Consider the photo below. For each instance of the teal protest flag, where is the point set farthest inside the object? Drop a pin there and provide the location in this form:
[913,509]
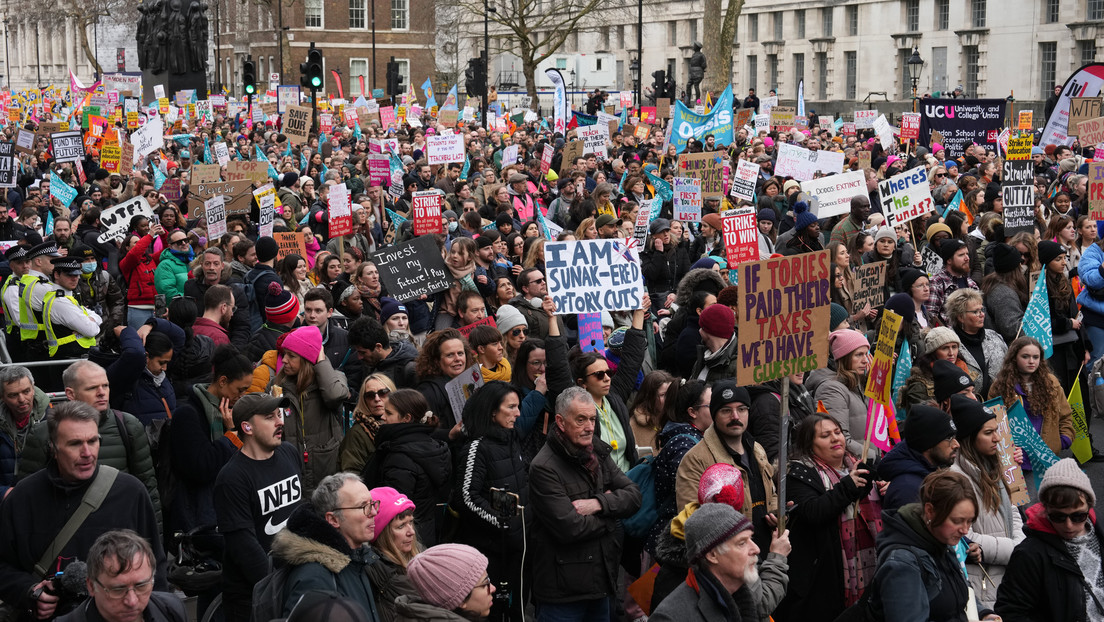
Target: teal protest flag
[901,374]
[396,219]
[261,157]
[1023,433]
[207,151]
[427,88]
[663,190]
[464,171]
[356,130]
[158,178]
[1036,319]
[302,162]
[954,205]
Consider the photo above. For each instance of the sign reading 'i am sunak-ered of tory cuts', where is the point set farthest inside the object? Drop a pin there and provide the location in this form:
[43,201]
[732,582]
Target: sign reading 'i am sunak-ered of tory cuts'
[784,316]
[591,276]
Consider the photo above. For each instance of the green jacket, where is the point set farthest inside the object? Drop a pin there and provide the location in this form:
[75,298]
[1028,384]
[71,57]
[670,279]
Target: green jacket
[170,276]
[130,456]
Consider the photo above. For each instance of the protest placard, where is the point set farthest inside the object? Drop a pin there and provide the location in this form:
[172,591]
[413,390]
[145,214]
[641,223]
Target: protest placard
[126,158]
[215,215]
[834,192]
[708,167]
[171,189]
[1026,118]
[510,155]
[148,139]
[782,117]
[930,261]
[783,316]
[7,165]
[1006,447]
[222,154]
[744,179]
[879,380]
[237,194]
[687,199]
[767,104]
[427,212]
[663,108]
[762,123]
[884,131]
[251,170]
[341,213]
[803,164]
[744,116]
[67,146]
[870,280]
[460,389]
[1027,438]
[571,151]
[379,169]
[906,196]
[24,140]
[288,242]
[297,122]
[1096,190]
[286,95]
[1019,147]
[595,138]
[205,174]
[910,125]
[591,335]
[741,235]
[467,329]
[115,221]
[1083,109]
[546,158]
[1091,132]
[413,269]
[445,149]
[1018,196]
[266,202]
[591,276]
[643,219]
[864,119]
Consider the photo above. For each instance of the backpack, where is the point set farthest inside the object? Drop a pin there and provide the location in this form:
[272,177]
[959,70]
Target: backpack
[251,296]
[270,593]
[643,475]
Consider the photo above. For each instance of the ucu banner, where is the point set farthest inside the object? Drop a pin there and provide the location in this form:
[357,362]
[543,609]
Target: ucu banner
[960,121]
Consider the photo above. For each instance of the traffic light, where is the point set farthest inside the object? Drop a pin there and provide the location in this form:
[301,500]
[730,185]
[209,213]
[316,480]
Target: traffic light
[249,76]
[475,77]
[395,84]
[660,83]
[312,70]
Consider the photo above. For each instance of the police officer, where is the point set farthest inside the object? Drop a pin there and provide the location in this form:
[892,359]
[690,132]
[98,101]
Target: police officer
[33,287]
[9,296]
[71,328]
[97,291]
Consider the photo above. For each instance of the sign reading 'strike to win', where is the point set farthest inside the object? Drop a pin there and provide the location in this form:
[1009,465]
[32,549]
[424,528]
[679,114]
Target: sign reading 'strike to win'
[590,276]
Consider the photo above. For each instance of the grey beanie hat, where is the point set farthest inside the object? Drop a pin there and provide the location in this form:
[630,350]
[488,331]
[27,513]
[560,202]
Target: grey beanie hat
[710,526]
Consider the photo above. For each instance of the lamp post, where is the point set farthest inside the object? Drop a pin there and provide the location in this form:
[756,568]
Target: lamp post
[7,57]
[634,72]
[915,68]
[38,59]
[373,75]
[639,50]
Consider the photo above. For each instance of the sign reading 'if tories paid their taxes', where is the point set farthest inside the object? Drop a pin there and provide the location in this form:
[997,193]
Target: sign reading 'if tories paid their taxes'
[590,276]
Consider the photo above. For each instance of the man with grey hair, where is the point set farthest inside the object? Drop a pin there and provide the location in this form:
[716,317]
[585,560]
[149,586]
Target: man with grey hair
[327,543]
[22,404]
[215,272]
[123,441]
[577,494]
[41,505]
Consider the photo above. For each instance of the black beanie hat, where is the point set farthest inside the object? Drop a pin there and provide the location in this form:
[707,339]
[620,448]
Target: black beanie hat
[267,249]
[949,247]
[1006,258]
[948,379]
[969,415]
[726,392]
[909,276]
[926,427]
[1049,251]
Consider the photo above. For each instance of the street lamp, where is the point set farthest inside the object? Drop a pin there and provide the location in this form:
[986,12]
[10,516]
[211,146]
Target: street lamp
[7,58]
[634,71]
[915,68]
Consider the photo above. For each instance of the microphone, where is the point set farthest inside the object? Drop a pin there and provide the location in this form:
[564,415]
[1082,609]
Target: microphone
[74,581]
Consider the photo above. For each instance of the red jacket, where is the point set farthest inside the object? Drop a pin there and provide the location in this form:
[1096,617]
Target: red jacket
[212,329]
[138,267]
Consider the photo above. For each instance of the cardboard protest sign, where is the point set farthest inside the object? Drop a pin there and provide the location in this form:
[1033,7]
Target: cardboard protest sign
[708,167]
[1018,194]
[783,316]
[741,235]
[297,122]
[744,179]
[571,151]
[205,174]
[340,211]
[171,189]
[445,149]
[67,146]
[1096,190]
[7,166]
[426,210]
[1083,109]
[591,276]
[237,195]
[879,381]
[595,138]
[687,199]
[413,269]
[288,242]
[24,141]
[266,202]
[115,221]
[214,210]
[782,117]
[1019,147]
[870,280]
[1006,446]
[834,192]
[251,170]
[906,196]
[1091,132]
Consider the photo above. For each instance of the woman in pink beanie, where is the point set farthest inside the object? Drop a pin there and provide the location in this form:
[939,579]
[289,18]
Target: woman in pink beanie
[317,391]
[396,542]
[452,584]
[842,393]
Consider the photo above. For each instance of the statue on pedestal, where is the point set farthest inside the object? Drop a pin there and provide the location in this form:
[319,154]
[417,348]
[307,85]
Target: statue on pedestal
[172,36]
[697,73]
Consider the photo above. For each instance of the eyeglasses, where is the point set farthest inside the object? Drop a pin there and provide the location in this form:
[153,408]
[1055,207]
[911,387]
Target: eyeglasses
[600,374]
[1061,517]
[381,394]
[485,584]
[517,332]
[729,411]
[369,509]
[700,406]
[977,312]
[536,363]
[119,593]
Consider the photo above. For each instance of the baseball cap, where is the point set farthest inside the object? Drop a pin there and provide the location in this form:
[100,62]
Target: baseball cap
[255,404]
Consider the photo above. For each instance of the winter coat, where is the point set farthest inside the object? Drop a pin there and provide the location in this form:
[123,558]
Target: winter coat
[389,582]
[994,348]
[238,328]
[577,557]
[1004,310]
[191,364]
[199,447]
[997,532]
[849,408]
[162,607]
[920,386]
[264,340]
[662,270]
[765,418]
[720,365]
[1043,581]
[262,275]
[12,439]
[1092,279]
[411,461]
[816,589]
[433,388]
[133,387]
[414,609]
[100,293]
[1057,417]
[675,440]
[315,422]
[705,600]
[696,279]
[139,267]
[399,365]
[320,559]
[905,470]
[171,275]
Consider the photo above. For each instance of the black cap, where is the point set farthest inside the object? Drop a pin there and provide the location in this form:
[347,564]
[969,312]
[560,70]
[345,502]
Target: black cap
[1049,251]
[969,415]
[949,247]
[926,427]
[67,265]
[17,252]
[48,249]
[1006,258]
[726,392]
[256,404]
[948,379]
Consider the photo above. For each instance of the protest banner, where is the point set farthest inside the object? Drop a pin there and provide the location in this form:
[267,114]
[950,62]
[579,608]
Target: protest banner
[67,146]
[783,317]
[379,169]
[426,208]
[445,149]
[1025,437]
[288,242]
[834,192]
[7,165]
[1018,194]
[205,174]
[297,122]
[341,213]
[782,117]
[222,154]
[256,172]
[1091,132]
[688,199]
[115,221]
[591,276]
[741,235]
[870,280]
[594,138]
[413,269]
[906,196]
[708,167]
[1083,109]
[1019,147]
[487,321]
[266,203]
[148,139]
[687,123]
[744,179]
[879,380]
[1096,190]
[864,119]
[215,215]
[961,122]
[910,125]
[803,164]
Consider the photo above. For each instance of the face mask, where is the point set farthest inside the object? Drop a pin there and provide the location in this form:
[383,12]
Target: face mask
[452,225]
[88,268]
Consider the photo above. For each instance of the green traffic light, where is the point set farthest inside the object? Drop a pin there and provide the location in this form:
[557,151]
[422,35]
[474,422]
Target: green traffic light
[250,89]
[316,82]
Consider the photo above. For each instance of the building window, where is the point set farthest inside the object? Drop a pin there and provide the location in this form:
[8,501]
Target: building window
[1048,66]
[822,75]
[777,25]
[942,14]
[1095,9]
[693,30]
[851,65]
[772,71]
[672,33]
[358,67]
[620,32]
[404,71]
[358,14]
[853,20]
[905,91]
[977,13]
[799,69]
[972,56]
[753,71]
[1050,12]
[753,26]
[400,15]
[912,15]
[312,13]
[826,21]
[1087,50]
[604,38]
[799,22]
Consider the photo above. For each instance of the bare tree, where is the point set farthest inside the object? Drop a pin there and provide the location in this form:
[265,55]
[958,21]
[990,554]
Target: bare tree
[717,43]
[85,14]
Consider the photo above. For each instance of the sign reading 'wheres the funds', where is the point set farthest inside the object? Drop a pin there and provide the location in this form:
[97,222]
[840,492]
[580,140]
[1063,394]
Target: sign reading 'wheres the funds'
[590,276]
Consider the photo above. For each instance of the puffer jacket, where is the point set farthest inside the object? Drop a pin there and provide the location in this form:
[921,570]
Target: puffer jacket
[411,461]
[12,440]
[315,423]
[389,582]
[129,453]
[997,532]
[191,364]
[171,275]
[1092,278]
[905,470]
[577,557]
[399,365]
[139,267]
[492,461]
[320,559]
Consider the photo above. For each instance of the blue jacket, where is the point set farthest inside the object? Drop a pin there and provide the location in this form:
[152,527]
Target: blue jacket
[1091,278]
[133,388]
[905,470]
[12,440]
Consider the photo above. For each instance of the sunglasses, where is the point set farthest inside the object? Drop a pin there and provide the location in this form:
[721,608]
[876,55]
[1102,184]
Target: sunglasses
[372,395]
[1061,517]
[180,242]
[599,375]
[517,332]
[536,281]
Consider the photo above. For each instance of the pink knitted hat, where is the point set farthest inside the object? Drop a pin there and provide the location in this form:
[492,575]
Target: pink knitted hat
[445,574]
[846,341]
[722,483]
[306,341]
[392,503]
